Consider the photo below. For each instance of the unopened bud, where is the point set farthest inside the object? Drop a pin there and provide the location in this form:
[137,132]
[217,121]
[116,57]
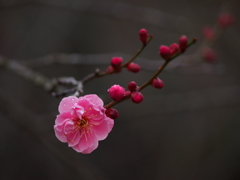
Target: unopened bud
[111,113]
[225,19]
[157,83]
[143,35]
[174,49]
[116,92]
[183,43]
[116,62]
[133,67]
[210,55]
[164,52]
[208,33]
[127,93]
[136,97]
[132,86]
[109,69]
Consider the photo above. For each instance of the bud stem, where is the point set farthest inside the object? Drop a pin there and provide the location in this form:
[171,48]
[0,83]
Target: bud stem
[160,69]
[138,52]
[101,74]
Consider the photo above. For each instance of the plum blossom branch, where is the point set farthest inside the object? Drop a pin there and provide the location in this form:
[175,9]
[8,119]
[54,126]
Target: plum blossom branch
[160,69]
[97,72]
[24,71]
[50,85]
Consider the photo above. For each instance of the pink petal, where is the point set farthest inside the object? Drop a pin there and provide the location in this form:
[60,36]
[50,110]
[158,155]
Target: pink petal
[94,99]
[60,134]
[86,144]
[67,103]
[61,118]
[73,138]
[91,111]
[110,123]
[94,115]
[68,127]
[91,148]
[77,110]
[101,131]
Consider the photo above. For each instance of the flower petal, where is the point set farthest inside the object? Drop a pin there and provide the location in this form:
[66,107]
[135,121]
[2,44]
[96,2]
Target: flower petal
[94,99]
[91,111]
[110,122]
[67,103]
[101,131]
[62,118]
[60,134]
[91,148]
[94,115]
[73,138]
[86,144]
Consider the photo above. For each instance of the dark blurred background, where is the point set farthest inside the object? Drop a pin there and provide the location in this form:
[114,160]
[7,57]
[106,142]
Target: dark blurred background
[188,130]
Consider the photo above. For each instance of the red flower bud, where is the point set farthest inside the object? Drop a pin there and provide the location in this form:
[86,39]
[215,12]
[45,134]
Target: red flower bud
[132,86]
[143,35]
[126,93]
[210,55]
[208,33]
[116,62]
[164,52]
[111,113]
[136,97]
[174,49]
[157,83]
[225,19]
[183,43]
[116,92]
[109,69]
[133,67]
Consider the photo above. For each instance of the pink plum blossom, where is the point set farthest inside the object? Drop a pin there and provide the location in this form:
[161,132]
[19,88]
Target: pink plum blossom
[82,122]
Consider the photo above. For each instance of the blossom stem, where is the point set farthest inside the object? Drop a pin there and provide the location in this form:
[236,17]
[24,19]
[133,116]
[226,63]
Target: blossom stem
[113,103]
[97,73]
[138,52]
[160,69]
[29,74]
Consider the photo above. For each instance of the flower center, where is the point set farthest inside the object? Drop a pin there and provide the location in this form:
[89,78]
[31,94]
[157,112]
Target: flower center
[83,123]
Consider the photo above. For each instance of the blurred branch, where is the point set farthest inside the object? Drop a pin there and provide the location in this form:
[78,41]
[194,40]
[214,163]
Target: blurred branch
[115,9]
[183,64]
[24,71]
[53,86]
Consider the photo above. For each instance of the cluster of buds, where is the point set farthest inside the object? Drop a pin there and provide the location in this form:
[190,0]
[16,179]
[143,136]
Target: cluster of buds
[119,94]
[211,33]
[168,52]
[84,121]
[117,65]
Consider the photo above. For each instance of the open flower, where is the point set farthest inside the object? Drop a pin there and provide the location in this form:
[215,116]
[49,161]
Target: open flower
[82,122]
